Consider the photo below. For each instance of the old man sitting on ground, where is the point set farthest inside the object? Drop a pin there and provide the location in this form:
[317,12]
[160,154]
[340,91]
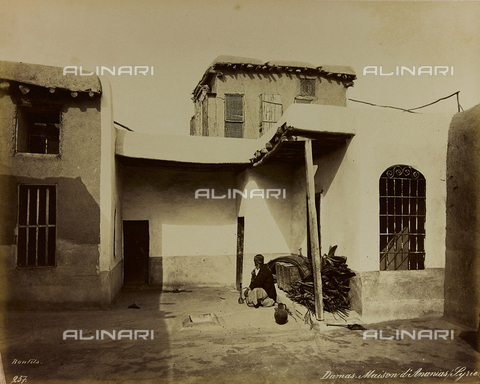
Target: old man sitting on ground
[262,289]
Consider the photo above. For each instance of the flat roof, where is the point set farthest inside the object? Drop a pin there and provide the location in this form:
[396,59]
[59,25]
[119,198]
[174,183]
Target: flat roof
[48,77]
[310,120]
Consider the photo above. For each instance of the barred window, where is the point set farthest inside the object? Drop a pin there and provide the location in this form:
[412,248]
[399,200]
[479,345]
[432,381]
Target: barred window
[402,218]
[234,116]
[36,225]
[307,87]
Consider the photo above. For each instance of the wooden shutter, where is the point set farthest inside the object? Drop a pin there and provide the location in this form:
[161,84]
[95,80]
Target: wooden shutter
[205,117]
[272,110]
[233,115]
[234,108]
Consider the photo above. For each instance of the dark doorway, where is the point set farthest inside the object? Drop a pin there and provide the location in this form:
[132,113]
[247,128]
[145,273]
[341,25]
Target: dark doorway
[240,243]
[318,197]
[136,243]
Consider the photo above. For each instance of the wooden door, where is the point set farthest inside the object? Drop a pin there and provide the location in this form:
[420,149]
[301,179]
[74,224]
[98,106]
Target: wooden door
[240,244]
[136,244]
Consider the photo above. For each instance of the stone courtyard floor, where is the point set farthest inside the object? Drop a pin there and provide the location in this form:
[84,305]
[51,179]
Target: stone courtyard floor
[202,335]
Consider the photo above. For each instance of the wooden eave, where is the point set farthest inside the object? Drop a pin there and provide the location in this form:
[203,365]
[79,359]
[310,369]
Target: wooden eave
[51,78]
[26,93]
[287,146]
[337,73]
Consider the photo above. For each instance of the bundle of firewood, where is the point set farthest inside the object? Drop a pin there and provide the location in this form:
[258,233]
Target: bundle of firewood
[335,286]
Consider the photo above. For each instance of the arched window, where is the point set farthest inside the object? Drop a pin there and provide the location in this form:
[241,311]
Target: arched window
[402,219]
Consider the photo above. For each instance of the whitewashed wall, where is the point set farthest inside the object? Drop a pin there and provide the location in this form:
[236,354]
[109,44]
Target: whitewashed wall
[350,183]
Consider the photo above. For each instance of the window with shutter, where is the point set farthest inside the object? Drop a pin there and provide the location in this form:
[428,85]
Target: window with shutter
[205,117]
[272,110]
[234,116]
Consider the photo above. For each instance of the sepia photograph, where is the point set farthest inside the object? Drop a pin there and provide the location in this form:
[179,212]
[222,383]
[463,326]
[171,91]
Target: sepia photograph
[239,191]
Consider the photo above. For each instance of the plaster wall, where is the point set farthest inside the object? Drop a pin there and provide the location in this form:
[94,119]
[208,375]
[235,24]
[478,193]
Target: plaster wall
[349,181]
[253,85]
[192,241]
[110,259]
[387,295]
[462,267]
[272,225]
[76,172]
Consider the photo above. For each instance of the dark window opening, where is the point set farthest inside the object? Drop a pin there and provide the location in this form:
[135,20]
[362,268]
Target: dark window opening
[38,130]
[234,116]
[402,219]
[36,225]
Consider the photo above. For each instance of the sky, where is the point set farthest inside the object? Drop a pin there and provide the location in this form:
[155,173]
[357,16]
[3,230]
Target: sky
[180,38]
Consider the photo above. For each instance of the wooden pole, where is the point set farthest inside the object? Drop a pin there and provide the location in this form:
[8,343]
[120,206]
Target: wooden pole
[313,228]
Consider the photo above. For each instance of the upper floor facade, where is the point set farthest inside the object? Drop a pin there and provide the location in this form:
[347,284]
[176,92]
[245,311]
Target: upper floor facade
[244,98]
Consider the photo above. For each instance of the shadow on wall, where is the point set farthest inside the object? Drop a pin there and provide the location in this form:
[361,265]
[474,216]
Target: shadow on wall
[290,214]
[328,167]
[74,279]
[281,176]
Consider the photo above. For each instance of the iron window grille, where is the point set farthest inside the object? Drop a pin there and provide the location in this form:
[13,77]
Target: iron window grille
[234,116]
[402,218]
[307,87]
[36,225]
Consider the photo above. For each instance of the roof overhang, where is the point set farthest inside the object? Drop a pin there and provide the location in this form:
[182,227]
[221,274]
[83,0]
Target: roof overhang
[328,127]
[184,152]
[340,73]
[289,145]
[182,165]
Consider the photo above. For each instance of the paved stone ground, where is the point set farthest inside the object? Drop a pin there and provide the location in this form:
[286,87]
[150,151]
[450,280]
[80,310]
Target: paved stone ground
[246,346]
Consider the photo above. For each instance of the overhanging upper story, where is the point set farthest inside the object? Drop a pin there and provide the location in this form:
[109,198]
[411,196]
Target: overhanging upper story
[244,98]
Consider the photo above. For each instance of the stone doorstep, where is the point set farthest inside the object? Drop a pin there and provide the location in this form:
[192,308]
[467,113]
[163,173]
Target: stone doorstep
[209,319]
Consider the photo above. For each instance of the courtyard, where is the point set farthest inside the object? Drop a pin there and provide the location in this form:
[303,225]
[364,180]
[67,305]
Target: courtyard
[203,335]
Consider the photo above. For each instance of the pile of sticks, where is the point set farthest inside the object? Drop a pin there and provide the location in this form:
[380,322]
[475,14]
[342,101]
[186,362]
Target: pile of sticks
[335,286]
